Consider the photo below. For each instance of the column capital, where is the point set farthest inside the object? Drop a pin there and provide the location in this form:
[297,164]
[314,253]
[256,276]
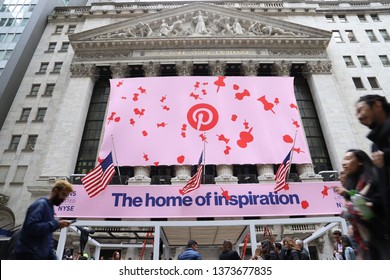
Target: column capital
[282,68]
[306,173]
[250,68]
[84,70]
[217,68]
[317,67]
[119,70]
[184,68]
[151,69]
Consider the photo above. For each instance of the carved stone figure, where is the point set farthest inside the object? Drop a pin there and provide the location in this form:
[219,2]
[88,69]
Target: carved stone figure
[164,29]
[254,28]
[144,30]
[176,29]
[237,28]
[200,23]
[223,26]
[270,30]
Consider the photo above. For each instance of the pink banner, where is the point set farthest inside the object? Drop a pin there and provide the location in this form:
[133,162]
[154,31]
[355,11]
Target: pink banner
[167,120]
[207,201]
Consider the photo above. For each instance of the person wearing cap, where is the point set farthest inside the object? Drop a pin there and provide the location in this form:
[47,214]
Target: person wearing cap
[191,253]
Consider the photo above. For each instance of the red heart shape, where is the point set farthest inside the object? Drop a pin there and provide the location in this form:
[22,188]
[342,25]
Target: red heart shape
[180,159]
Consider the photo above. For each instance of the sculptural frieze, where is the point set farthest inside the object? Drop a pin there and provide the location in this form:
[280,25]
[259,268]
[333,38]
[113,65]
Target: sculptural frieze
[198,24]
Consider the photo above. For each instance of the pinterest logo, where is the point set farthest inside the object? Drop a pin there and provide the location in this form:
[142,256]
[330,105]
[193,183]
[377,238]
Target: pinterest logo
[202,116]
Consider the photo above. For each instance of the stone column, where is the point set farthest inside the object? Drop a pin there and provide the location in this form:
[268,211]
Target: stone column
[217,68]
[184,68]
[281,68]
[266,172]
[250,68]
[67,114]
[225,174]
[306,173]
[183,174]
[141,176]
[330,108]
[151,69]
[119,70]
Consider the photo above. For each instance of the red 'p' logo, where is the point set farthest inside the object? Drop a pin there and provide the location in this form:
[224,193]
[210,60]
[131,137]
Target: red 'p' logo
[202,116]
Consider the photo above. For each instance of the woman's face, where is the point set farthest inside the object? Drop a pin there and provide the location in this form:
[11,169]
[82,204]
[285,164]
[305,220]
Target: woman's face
[350,164]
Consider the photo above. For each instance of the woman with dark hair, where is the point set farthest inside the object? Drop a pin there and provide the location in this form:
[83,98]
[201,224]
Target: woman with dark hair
[348,252]
[228,253]
[363,207]
[268,250]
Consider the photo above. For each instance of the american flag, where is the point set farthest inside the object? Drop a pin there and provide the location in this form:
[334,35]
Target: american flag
[195,180]
[281,174]
[97,179]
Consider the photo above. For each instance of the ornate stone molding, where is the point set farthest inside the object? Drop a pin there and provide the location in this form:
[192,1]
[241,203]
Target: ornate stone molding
[141,176]
[99,55]
[225,175]
[119,70]
[282,68]
[217,68]
[298,52]
[306,173]
[184,68]
[250,68]
[84,70]
[318,67]
[183,174]
[266,172]
[151,69]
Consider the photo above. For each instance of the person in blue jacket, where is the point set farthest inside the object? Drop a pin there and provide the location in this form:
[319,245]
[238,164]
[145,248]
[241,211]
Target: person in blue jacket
[35,241]
[191,252]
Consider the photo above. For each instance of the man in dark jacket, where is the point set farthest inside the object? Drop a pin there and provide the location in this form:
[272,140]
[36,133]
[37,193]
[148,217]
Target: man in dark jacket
[373,111]
[35,241]
[191,253]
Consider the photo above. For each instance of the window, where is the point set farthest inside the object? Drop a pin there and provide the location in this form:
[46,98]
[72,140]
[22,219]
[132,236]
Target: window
[20,174]
[32,6]
[59,28]
[385,35]
[14,142]
[65,46]
[373,83]
[2,21]
[51,47]
[358,83]
[71,29]
[7,54]
[25,114]
[9,38]
[337,36]
[2,36]
[329,18]
[31,141]
[57,67]
[371,35]
[16,38]
[10,22]
[41,114]
[362,18]
[43,68]
[3,173]
[348,61]
[351,36]
[49,89]
[34,89]
[342,18]
[385,60]
[375,17]
[2,53]
[363,60]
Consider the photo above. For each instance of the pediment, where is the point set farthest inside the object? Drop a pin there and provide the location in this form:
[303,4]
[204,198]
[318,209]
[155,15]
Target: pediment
[199,21]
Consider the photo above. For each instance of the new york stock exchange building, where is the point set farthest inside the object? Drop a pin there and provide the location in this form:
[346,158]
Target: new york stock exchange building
[169,86]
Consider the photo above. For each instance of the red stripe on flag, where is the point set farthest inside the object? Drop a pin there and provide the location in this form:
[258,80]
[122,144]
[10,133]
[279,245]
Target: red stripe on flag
[194,182]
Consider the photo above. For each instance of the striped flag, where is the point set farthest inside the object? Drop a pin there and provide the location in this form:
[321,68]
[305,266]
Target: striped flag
[282,173]
[195,180]
[97,179]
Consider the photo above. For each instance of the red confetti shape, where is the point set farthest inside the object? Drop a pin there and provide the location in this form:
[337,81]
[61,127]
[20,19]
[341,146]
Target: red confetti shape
[195,96]
[144,133]
[119,84]
[267,105]
[132,122]
[225,194]
[276,101]
[156,163]
[163,98]
[220,83]
[139,112]
[227,150]
[287,138]
[304,204]
[142,90]
[293,106]
[180,159]
[325,191]
[146,157]
[234,118]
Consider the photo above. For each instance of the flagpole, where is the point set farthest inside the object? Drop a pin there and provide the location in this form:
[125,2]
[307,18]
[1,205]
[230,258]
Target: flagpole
[291,154]
[204,158]
[116,160]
